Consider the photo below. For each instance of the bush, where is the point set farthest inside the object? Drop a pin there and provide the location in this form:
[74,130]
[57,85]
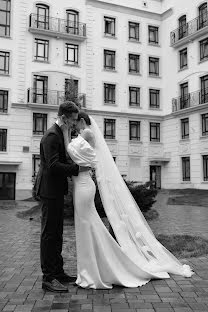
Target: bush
[143,194]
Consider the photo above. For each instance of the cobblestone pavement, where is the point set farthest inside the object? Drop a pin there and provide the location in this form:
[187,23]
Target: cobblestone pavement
[20,279]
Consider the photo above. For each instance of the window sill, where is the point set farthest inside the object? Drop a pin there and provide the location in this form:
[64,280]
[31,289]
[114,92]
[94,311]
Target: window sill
[134,41]
[72,65]
[5,37]
[111,140]
[185,182]
[3,153]
[109,36]
[154,142]
[135,106]
[37,135]
[109,70]
[4,113]
[184,140]
[39,61]
[204,60]
[135,142]
[182,69]
[202,137]
[155,76]
[134,74]
[154,44]
[5,75]
[110,104]
[155,108]
[204,182]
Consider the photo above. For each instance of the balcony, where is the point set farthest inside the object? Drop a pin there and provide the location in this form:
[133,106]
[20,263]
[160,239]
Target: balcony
[190,100]
[52,98]
[189,31]
[57,27]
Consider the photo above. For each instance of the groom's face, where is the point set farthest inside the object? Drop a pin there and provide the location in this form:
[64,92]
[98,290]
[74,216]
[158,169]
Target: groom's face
[71,120]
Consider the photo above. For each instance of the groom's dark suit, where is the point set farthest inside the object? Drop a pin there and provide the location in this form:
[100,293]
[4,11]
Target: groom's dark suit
[51,186]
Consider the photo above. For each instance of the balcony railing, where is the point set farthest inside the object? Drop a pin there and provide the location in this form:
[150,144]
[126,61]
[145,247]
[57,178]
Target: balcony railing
[52,97]
[56,25]
[190,100]
[189,28]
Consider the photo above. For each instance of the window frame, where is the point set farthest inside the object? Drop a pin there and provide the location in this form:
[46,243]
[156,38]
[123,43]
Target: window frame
[155,31]
[186,161]
[156,93]
[156,62]
[183,58]
[112,21]
[156,126]
[35,159]
[6,63]
[4,93]
[137,92]
[36,117]
[74,29]
[3,139]
[46,16]
[136,58]
[204,123]
[7,25]
[203,44]
[75,49]
[136,27]
[135,123]
[184,128]
[205,167]
[45,43]
[112,123]
[112,54]
[108,88]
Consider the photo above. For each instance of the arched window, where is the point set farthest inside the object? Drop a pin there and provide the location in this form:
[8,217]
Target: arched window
[202,21]
[182,27]
[42,16]
[72,18]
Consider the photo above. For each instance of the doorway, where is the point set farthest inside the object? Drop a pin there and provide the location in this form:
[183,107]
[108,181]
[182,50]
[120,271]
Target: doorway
[7,185]
[155,176]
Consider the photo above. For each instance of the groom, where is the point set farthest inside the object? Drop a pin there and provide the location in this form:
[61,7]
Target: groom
[51,186]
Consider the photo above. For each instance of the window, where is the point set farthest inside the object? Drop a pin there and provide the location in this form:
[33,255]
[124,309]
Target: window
[154,132]
[202,19]
[184,98]
[204,90]
[39,123]
[203,49]
[109,128]
[72,20]
[182,30]
[42,16]
[134,63]
[114,158]
[205,124]
[185,128]
[134,130]
[183,58]
[109,93]
[109,26]
[133,31]
[40,91]
[4,62]
[71,87]
[41,50]
[186,168]
[71,54]
[3,140]
[153,34]
[5,17]
[109,59]
[154,98]
[205,167]
[153,66]
[3,101]
[35,164]
[134,96]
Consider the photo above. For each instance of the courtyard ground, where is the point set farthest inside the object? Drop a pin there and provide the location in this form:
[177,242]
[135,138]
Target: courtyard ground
[20,274]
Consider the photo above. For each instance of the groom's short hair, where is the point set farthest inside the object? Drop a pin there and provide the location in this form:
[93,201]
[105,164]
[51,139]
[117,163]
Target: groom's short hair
[67,108]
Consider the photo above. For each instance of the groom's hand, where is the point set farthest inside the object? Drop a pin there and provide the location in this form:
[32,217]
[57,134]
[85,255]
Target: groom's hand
[82,169]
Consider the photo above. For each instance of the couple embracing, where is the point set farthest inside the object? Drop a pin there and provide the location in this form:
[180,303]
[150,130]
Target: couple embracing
[131,261]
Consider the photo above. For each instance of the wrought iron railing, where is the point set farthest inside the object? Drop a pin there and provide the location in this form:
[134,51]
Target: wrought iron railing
[190,100]
[53,97]
[57,25]
[189,28]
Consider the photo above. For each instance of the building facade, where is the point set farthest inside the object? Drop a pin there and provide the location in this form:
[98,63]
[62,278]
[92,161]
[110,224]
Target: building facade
[140,68]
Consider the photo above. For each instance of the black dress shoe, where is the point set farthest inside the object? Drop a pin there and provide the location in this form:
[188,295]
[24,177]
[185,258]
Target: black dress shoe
[54,286]
[65,278]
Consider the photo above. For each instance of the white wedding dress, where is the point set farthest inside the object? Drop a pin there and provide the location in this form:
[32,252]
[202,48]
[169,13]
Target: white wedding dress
[102,262]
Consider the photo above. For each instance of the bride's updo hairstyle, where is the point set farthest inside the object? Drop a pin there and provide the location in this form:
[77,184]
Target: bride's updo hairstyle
[86,117]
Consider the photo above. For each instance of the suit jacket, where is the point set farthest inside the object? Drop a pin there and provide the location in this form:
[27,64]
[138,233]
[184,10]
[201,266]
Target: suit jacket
[51,181]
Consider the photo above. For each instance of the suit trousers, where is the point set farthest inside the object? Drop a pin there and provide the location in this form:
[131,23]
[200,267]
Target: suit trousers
[51,237]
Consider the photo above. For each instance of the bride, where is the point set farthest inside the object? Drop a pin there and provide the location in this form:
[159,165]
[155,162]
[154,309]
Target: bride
[137,256]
